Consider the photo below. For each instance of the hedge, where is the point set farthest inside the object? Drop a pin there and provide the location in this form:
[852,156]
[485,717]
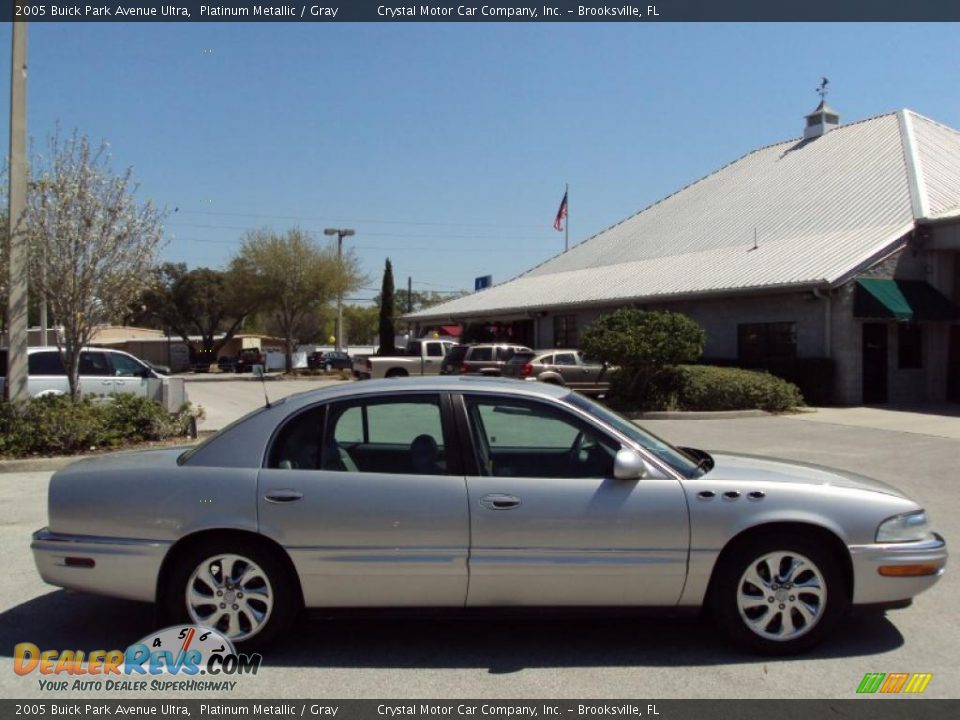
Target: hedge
[57,425]
[706,388]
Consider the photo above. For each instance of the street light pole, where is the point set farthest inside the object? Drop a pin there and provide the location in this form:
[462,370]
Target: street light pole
[341,233]
[16,384]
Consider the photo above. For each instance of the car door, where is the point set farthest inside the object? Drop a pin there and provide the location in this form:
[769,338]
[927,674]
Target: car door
[46,373]
[549,523]
[96,374]
[130,375]
[370,502]
[574,374]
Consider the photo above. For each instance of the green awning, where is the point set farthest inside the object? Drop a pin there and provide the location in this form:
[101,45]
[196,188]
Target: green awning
[901,300]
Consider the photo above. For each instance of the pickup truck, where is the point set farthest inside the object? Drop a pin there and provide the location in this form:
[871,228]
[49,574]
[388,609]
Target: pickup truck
[423,357]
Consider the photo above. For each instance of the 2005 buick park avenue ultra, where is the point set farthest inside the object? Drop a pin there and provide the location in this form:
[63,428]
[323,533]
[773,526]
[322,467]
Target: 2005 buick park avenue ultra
[464,492]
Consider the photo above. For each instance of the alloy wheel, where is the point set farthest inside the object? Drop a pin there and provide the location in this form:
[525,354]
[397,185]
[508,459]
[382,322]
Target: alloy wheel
[231,594]
[781,596]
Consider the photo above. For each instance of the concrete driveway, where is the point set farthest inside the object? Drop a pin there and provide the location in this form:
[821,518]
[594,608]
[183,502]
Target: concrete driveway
[539,656]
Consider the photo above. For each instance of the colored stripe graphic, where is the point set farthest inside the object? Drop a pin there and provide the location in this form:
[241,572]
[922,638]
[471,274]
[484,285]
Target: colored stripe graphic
[918,682]
[894,683]
[871,682]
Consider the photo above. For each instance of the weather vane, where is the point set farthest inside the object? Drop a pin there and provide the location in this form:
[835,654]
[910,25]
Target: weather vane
[822,89]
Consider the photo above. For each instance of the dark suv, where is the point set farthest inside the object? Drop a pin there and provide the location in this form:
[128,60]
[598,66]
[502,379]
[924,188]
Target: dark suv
[489,358]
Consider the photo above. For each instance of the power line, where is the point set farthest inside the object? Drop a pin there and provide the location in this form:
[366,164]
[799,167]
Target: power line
[390,248]
[312,231]
[326,218]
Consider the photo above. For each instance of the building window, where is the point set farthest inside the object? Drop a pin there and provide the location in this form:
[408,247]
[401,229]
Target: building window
[910,346]
[759,342]
[565,331]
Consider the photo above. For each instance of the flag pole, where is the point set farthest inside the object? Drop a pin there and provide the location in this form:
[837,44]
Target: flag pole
[566,225]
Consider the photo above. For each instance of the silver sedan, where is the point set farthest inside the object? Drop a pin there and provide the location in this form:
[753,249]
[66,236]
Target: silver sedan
[468,493]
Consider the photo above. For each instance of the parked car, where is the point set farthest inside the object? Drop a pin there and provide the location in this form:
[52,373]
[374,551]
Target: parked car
[422,357]
[103,371]
[453,360]
[560,367]
[489,358]
[469,492]
[247,358]
[329,360]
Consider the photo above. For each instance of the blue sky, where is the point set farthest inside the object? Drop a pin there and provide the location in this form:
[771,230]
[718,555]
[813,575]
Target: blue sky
[447,146]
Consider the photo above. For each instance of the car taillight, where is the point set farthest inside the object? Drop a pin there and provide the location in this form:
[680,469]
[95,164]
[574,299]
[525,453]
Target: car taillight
[527,369]
[463,367]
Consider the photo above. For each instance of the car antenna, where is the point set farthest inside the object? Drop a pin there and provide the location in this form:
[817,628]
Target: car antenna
[258,371]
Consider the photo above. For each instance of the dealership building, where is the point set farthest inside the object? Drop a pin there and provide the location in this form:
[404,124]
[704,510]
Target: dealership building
[839,251]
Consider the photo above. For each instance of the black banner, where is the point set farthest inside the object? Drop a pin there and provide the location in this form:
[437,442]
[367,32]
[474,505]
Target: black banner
[496,11]
[876,709]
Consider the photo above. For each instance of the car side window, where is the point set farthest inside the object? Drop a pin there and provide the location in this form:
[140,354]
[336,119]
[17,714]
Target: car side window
[483,354]
[434,350]
[94,363]
[125,366]
[297,445]
[546,360]
[564,359]
[45,363]
[519,438]
[395,435]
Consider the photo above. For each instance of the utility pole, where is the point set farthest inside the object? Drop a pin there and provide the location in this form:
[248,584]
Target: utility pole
[409,294]
[341,233]
[16,383]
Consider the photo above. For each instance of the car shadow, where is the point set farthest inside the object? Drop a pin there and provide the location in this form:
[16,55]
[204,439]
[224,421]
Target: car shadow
[504,644]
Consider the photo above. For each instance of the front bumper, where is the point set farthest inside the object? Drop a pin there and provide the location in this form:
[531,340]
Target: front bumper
[869,586]
[119,567]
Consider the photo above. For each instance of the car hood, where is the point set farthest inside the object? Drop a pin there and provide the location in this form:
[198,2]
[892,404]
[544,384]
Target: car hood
[730,466]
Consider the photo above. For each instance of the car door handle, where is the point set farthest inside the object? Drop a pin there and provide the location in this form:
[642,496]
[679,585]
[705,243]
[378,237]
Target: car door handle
[283,496]
[499,501]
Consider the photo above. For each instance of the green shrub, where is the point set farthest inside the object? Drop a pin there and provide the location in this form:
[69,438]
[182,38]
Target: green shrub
[705,387]
[57,425]
[642,344]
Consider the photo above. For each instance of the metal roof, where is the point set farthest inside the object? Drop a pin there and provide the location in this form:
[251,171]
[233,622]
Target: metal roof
[820,209]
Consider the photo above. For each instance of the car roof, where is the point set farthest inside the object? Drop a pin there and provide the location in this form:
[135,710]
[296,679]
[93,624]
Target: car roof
[437,383]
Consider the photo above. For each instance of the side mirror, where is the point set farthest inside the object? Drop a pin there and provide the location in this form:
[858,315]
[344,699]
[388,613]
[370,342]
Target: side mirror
[628,465]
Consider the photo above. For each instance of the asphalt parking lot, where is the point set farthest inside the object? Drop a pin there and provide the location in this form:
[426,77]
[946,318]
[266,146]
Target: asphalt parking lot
[543,657]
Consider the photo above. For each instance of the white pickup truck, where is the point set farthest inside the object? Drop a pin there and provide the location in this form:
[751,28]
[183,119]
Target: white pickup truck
[423,357]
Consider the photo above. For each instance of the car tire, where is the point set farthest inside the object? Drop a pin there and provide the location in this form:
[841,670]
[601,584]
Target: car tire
[272,600]
[328,368]
[396,372]
[779,594]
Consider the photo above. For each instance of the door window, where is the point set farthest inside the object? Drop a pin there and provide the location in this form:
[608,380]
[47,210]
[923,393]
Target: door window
[516,438]
[126,366]
[94,363]
[297,446]
[402,435]
[434,350]
[565,359]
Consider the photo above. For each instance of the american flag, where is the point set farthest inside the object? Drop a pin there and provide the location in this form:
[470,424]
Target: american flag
[561,214]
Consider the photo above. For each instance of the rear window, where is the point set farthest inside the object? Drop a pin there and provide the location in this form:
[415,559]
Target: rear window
[521,358]
[45,363]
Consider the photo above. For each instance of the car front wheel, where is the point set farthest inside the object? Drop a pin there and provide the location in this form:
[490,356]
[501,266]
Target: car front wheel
[235,586]
[779,595]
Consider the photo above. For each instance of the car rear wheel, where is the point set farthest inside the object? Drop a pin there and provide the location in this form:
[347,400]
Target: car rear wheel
[779,595]
[236,586]
[396,372]
[328,367]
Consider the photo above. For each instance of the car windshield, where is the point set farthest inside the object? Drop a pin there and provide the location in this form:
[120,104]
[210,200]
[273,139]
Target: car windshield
[662,449]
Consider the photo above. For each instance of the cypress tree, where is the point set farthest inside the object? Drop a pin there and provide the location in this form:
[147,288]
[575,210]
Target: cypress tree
[387,331]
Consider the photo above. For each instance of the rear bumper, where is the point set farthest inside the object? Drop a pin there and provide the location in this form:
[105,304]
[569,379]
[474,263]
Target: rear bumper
[870,587]
[119,567]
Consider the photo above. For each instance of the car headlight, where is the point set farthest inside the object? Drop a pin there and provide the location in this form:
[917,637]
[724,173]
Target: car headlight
[909,527]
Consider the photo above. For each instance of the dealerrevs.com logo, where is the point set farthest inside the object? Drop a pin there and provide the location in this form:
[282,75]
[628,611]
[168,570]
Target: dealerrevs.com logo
[178,658]
[893,683]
